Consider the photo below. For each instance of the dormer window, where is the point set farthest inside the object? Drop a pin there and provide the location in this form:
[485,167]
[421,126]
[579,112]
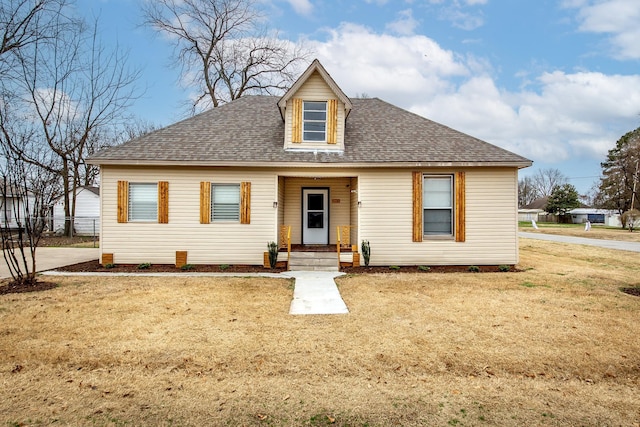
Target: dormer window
[314,121]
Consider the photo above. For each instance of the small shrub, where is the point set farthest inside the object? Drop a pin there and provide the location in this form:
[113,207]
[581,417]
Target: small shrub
[394,267]
[144,266]
[424,268]
[187,267]
[223,267]
[366,252]
[504,268]
[473,269]
[273,254]
[110,265]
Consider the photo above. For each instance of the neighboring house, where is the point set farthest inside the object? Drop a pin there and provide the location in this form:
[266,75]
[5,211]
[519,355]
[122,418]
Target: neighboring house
[533,210]
[536,211]
[606,217]
[529,214]
[13,212]
[87,212]
[217,187]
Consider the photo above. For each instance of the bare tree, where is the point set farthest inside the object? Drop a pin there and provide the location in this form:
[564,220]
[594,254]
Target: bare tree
[26,200]
[135,129]
[545,180]
[223,48]
[527,191]
[71,92]
[24,23]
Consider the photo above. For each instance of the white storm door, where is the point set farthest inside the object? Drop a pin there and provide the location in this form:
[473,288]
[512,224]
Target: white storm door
[315,216]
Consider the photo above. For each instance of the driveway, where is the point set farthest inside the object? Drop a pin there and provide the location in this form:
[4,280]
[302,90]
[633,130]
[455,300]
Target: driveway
[609,244]
[49,258]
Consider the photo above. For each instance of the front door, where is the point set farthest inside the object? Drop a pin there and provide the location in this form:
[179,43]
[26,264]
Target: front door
[315,216]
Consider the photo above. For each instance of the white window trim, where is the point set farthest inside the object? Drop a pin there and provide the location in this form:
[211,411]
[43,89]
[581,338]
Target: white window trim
[324,140]
[130,201]
[451,208]
[219,184]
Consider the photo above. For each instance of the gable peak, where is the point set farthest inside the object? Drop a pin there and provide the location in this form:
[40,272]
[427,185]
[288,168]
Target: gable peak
[314,67]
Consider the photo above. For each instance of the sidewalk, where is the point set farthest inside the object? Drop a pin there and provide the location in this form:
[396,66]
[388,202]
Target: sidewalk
[316,292]
[609,244]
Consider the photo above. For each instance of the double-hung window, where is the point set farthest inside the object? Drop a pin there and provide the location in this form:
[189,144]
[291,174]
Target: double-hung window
[314,121]
[437,203]
[143,201]
[225,202]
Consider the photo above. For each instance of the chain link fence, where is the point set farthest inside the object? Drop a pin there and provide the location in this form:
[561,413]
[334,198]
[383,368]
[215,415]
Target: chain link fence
[86,227]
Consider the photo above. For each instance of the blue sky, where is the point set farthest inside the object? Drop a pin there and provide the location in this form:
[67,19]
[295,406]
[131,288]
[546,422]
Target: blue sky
[555,81]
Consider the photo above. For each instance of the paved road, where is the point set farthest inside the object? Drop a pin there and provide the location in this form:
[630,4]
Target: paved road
[610,244]
[49,258]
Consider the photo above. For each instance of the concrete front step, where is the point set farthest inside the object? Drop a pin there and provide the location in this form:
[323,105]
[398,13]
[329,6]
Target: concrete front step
[313,261]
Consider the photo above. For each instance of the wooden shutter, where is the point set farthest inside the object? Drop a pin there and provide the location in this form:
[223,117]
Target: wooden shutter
[296,118]
[205,202]
[460,207]
[123,201]
[163,202]
[417,207]
[245,203]
[332,121]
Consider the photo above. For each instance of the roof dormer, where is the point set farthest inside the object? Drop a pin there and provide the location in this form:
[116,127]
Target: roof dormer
[314,111]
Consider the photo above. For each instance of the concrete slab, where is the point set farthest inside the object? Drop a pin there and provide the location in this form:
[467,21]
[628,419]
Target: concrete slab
[316,292]
[50,258]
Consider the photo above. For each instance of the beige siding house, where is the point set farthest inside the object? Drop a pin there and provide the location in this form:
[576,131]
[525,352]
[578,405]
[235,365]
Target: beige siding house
[306,170]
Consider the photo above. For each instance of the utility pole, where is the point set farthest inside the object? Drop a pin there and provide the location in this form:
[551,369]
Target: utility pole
[635,182]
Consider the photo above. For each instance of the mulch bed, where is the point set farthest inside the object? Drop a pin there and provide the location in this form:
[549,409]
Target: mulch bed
[11,288]
[631,291]
[95,266]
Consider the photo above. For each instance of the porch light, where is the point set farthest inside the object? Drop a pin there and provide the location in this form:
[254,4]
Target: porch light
[275,205]
[359,203]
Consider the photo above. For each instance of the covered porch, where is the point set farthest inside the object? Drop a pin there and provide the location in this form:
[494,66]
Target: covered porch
[316,216]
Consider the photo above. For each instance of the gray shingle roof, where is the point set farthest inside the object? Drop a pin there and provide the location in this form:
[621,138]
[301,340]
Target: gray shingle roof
[251,130]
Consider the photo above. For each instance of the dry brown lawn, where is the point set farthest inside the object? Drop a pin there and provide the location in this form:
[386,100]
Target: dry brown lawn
[556,344]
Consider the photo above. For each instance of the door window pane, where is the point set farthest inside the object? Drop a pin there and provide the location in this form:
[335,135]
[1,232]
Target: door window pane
[315,202]
[315,220]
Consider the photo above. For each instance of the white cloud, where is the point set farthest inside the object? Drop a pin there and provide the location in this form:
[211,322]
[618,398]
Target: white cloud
[461,13]
[406,68]
[463,20]
[568,115]
[618,18]
[405,24]
[558,116]
[302,7]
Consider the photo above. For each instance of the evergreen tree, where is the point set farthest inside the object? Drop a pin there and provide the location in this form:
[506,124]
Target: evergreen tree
[618,174]
[563,198]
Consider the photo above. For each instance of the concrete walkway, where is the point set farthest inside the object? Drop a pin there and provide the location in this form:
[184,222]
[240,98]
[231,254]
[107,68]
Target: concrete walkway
[609,244]
[316,292]
[48,258]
